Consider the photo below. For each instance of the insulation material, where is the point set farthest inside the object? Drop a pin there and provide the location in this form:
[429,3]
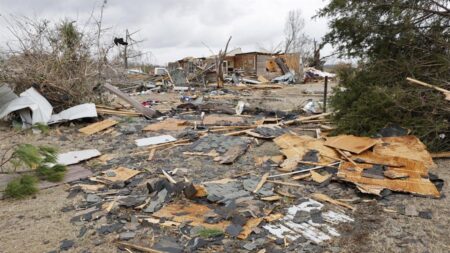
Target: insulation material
[315,232]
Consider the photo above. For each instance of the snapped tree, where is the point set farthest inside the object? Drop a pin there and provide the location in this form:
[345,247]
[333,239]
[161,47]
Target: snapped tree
[393,39]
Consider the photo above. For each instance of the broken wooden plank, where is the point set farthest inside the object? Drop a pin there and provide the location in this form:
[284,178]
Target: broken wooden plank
[138,247]
[233,153]
[323,197]
[444,91]
[261,182]
[248,228]
[136,104]
[441,155]
[98,126]
[169,177]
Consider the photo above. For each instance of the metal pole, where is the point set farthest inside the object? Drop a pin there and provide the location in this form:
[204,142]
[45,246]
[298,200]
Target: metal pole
[325,90]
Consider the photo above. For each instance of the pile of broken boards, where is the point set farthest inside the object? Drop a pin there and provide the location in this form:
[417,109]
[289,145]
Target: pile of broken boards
[267,212]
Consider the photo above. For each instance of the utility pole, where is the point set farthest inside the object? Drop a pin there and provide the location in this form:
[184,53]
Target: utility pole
[125,56]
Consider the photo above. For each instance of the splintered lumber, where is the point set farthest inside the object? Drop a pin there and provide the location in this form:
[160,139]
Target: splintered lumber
[323,197]
[261,182]
[119,112]
[136,104]
[248,228]
[303,171]
[444,91]
[140,248]
[441,155]
[284,183]
[98,126]
[350,143]
[233,153]
[169,177]
[304,118]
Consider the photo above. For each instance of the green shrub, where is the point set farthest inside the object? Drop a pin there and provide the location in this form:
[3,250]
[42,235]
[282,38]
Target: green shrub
[52,174]
[21,187]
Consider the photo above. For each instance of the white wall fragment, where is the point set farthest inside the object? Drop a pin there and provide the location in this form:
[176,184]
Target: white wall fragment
[315,232]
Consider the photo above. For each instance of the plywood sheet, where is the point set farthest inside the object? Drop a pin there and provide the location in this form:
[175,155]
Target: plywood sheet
[98,126]
[351,143]
[195,213]
[120,174]
[168,125]
[415,183]
[295,147]
[409,147]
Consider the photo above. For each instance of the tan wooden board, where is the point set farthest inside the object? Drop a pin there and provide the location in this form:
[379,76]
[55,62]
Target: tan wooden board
[121,174]
[351,143]
[98,126]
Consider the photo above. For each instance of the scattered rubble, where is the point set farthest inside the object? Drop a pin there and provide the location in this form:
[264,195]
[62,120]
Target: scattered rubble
[198,175]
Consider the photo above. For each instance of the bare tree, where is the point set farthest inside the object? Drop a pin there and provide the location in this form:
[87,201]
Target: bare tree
[219,62]
[295,40]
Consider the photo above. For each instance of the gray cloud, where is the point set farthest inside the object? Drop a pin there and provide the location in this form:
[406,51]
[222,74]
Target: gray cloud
[173,29]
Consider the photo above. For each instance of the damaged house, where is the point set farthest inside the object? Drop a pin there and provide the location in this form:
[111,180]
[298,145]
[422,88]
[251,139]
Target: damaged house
[249,64]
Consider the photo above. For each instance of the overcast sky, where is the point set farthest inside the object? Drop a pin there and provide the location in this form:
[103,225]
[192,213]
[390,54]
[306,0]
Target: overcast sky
[173,29]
